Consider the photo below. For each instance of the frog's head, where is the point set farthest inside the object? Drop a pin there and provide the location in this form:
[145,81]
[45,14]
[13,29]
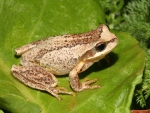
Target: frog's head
[106,42]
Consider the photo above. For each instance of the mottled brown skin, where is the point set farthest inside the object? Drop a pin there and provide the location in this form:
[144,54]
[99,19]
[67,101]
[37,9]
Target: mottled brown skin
[60,55]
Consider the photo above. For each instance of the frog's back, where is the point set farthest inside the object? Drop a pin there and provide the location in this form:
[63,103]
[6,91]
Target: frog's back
[65,41]
[61,53]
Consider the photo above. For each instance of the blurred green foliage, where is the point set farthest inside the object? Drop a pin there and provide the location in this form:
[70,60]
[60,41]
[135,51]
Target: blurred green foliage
[133,17]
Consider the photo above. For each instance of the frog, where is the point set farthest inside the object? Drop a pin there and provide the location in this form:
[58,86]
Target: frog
[43,60]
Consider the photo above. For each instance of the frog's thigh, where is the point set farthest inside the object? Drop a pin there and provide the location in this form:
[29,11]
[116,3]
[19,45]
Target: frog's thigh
[39,78]
[35,77]
[74,79]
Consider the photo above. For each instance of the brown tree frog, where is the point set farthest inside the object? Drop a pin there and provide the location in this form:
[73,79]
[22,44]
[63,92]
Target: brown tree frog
[60,55]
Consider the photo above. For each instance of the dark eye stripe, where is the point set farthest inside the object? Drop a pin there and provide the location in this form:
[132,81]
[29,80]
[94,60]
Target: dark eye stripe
[102,45]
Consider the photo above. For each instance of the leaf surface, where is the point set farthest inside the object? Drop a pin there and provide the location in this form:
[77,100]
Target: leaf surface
[22,22]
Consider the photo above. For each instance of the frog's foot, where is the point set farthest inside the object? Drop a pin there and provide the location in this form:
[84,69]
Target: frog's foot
[86,84]
[57,90]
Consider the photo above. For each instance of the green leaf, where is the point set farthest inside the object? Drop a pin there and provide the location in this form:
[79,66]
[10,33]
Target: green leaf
[1,111]
[22,22]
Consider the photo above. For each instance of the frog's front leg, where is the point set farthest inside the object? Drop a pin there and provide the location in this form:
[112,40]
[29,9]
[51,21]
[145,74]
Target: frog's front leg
[39,78]
[74,79]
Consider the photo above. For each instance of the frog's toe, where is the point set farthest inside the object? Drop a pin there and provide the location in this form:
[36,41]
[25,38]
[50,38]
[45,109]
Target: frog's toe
[86,84]
[88,81]
[63,90]
[90,87]
[58,90]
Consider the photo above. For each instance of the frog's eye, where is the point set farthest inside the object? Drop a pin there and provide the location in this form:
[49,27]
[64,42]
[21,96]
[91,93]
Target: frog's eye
[100,46]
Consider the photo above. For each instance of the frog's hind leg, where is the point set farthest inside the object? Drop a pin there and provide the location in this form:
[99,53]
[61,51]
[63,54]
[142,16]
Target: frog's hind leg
[38,78]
